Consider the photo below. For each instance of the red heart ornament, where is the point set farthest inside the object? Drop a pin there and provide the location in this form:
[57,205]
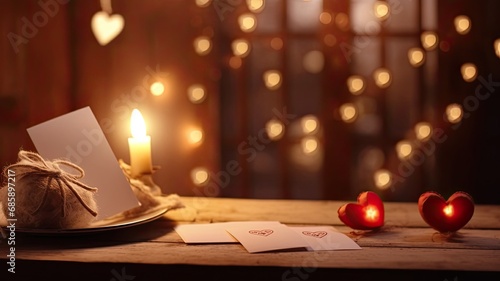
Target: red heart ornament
[367,214]
[446,216]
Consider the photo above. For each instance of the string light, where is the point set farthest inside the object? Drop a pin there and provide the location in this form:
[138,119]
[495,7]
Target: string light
[240,47]
[275,129]
[255,6]
[454,113]
[382,77]
[469,72]
[404,149]
[429,40]
[313,61]
[423,131]
[309,145]
[416,57]
[382,179]
[272,79]
[157,88]
[196,93]
[196,136]
[203,3]
[355,84]
[247,22]
[199,176]
[381,10]
[496,46]
[325,18]
[202,45]
[348,112]
[309,124]
[462,24]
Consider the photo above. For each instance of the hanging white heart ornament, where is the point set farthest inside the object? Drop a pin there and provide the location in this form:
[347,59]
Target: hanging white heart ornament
[106,27]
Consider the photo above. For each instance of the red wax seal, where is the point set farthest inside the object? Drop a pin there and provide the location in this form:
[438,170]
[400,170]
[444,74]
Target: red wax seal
[446,216]
[367,214]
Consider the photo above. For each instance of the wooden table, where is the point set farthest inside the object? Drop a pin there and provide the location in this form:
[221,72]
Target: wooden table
[406,249]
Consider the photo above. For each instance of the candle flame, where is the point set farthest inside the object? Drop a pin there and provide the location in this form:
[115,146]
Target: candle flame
[371,213]
[137,124]
[448,210]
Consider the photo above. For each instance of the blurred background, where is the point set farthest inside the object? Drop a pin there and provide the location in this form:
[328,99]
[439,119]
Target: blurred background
[290,99]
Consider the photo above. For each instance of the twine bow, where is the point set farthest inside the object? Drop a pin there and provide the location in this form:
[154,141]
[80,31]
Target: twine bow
[34,164]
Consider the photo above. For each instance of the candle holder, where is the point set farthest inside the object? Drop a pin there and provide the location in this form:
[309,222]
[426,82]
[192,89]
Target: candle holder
[148,193]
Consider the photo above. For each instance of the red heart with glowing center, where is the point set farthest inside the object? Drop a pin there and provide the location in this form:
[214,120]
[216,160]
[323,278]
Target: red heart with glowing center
[367,214]
[446,216]
[261,232]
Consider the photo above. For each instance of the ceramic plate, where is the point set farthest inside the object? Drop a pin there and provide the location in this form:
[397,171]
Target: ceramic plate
[99,226]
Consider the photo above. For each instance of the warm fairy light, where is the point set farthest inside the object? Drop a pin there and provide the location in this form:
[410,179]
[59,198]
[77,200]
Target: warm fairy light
[157,88]
[404,149]
[276,43]
[381,10]
[342,21]
[272,79]
[196,136]
[496,45]
[309,145]
[416,56]
[202,45]
[348,112]
[199,176]
[240,47]
[330,40]
[255,6]
[325,18]
[355,84]
[454,113]
[429,40]
[247,22]
[313,61]
[462,24]
[275,129]
[371,213]
[309,124]
[423,131]
[382,77]
[203,3]
[382,179]
[469,72]
[137,124]
[448,210]
[196,93]
[235,62]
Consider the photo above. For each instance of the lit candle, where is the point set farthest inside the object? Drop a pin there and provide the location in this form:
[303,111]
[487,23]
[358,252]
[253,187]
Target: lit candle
[139,146]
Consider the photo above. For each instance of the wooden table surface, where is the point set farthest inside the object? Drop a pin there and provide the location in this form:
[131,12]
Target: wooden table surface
[405,248]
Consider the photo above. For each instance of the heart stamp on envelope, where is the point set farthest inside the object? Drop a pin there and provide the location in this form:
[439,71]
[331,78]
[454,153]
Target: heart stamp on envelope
[261,232]
[316,234]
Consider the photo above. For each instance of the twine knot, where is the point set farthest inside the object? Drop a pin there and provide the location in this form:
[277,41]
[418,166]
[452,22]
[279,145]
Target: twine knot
[32,163]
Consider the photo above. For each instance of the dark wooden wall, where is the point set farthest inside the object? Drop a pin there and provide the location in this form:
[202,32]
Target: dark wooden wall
[61,67]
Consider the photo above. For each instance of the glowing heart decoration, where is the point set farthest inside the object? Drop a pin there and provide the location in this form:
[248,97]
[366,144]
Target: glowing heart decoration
[446,216]
[367,214]
[106,27]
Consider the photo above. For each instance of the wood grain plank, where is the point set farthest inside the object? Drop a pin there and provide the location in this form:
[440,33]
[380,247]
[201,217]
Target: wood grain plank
[309,211]
[235,254]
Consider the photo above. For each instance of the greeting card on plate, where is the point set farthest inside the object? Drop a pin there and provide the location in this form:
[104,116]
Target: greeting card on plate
[77,137]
